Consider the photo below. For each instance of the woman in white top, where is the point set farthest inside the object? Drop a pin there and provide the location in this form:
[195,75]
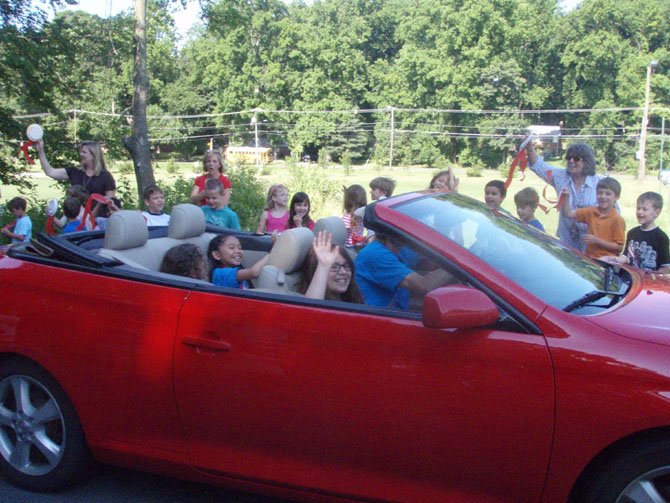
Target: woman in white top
[579,177]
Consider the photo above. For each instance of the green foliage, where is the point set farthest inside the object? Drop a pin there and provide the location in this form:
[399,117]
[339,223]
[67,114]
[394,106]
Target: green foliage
[126,193]
[316,182]
[172,167]
[341,57]
[346,162]
[473,172]
[124,167]
[248,197]
[178,192]
[324,157]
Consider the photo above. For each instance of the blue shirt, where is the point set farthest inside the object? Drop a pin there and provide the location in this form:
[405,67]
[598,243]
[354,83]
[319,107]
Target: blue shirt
[24,226]
[379,273]
[227,276]
[537,224]
[71,226]
[223,217]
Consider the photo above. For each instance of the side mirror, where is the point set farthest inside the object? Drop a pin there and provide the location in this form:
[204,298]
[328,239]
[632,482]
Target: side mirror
[458,306]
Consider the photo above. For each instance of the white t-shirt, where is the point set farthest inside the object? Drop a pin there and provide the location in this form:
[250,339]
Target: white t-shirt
[162,219]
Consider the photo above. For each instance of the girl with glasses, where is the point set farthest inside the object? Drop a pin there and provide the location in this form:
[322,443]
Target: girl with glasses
[328,272]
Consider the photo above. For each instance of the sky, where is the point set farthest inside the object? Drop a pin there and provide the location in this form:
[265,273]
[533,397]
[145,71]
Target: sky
[185,18]
[104,8]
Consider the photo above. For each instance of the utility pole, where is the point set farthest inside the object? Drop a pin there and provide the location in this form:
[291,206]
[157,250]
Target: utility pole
[392,110]
[254,121]
[642,169]
[660,158]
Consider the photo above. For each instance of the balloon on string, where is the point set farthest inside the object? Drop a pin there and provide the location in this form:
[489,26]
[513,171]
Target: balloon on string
[34,132]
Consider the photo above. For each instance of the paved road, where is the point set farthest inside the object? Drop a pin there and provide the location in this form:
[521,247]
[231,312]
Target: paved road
[115,485]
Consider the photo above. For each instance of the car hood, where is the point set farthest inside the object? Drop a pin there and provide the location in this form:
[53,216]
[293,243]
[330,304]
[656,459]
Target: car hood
[645,312]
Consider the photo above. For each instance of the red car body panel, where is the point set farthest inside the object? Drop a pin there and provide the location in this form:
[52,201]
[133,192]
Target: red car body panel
[115,368]
[309,399]
[361,406]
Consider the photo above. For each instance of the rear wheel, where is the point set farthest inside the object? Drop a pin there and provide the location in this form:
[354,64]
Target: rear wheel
[638,475]
[42,444]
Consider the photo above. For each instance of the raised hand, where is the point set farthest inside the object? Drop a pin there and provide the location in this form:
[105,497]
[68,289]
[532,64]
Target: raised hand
[326,254]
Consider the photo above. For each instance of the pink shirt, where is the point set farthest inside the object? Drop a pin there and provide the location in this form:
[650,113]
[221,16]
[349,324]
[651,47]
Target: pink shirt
[276,223]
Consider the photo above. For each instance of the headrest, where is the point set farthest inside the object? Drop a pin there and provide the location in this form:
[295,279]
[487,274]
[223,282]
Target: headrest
[126,229]
[186,221]
[334,225]
[290,249]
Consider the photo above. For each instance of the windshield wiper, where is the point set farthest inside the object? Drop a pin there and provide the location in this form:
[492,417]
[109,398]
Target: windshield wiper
[586,299]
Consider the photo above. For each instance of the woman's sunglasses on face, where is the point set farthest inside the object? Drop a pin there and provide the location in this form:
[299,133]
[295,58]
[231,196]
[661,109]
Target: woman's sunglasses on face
[575,158]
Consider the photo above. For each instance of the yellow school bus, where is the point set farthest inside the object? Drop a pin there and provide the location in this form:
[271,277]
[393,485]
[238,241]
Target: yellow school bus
[248,155]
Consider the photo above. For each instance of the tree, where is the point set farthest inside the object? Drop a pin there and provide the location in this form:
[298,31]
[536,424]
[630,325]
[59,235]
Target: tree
[138,143]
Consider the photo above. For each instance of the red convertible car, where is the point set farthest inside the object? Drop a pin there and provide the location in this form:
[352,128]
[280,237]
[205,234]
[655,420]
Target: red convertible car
[541,375]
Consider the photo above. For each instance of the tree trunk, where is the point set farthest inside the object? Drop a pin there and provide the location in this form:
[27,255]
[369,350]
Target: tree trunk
[138,143]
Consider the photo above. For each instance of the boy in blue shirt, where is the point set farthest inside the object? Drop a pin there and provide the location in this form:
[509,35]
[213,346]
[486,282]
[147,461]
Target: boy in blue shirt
[71,208]
[23,227]
[527,200]
[216,212]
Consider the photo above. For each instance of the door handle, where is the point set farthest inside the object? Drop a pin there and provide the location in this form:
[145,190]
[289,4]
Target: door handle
[208,344]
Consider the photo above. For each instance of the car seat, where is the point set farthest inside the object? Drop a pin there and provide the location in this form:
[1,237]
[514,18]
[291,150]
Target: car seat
[282,272]
[334,225]
[187,225]
[127,240]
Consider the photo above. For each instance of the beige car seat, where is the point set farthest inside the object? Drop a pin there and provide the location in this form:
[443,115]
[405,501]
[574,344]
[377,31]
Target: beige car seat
[127,240]
[282,272]
[334,225]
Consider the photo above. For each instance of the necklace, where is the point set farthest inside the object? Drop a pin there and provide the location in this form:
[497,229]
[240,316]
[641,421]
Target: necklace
[87,180]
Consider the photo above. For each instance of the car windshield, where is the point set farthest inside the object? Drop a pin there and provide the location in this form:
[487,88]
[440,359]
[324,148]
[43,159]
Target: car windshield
[537,262]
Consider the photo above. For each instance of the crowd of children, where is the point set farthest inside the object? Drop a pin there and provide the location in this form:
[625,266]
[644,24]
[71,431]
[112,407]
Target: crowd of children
[645,246]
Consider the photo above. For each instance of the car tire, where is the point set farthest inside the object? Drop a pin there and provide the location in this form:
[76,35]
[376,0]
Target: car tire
[42,443]
[640,474]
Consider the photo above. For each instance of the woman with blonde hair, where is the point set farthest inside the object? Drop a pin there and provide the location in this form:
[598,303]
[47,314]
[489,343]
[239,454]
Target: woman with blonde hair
[214,168]
[92,174]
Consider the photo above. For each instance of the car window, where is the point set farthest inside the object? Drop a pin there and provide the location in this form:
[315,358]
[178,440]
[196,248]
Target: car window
[539,263]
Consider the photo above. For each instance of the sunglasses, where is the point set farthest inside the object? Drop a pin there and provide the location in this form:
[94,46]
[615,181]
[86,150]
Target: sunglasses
[575,158]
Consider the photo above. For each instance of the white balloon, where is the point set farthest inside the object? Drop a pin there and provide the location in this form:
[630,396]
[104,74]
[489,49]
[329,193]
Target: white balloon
[34,132]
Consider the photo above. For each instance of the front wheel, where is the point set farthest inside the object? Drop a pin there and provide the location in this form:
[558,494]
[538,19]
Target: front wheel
[638,475]
[42,444]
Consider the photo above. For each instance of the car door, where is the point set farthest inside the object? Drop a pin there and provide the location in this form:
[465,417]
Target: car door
[362,403]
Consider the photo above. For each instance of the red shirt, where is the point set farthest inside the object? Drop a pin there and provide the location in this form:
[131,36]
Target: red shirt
[202,180]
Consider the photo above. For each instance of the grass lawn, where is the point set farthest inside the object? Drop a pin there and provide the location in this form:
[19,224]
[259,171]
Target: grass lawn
[407,178]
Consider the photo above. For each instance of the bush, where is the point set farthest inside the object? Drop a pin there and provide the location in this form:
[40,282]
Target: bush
[248,197]
[324,157]
[346,162]
[473,172]
[177,193]
[317,184]
[125,167]
[172,167]
[126,193]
